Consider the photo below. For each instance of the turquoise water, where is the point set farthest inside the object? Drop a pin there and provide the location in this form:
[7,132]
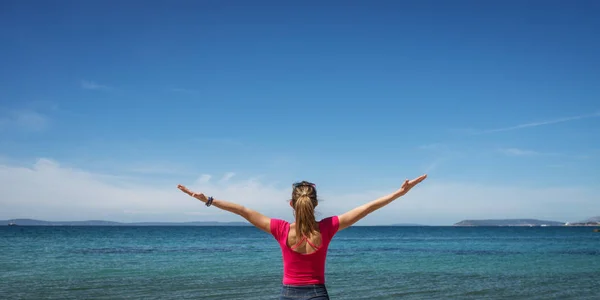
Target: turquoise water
[245,263]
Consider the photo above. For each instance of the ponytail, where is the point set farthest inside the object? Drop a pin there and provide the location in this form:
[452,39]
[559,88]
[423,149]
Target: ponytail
[305,217]
[304,200]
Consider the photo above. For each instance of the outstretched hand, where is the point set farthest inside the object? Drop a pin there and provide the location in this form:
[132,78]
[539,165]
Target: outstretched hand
[407,185]
[198,196]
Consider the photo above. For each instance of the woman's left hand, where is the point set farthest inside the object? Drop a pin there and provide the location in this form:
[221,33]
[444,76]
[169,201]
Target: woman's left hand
[198,196]
[407,185]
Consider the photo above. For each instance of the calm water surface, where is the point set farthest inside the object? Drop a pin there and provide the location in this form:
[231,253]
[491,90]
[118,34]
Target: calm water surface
[245,263]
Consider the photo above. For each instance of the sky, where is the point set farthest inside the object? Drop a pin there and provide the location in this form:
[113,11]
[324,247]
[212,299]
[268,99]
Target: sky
[105,106]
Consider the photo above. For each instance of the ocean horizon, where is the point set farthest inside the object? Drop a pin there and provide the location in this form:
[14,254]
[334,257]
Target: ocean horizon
[467,222]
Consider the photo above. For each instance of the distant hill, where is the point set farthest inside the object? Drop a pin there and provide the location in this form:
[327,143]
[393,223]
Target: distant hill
[509,222]
[31,222]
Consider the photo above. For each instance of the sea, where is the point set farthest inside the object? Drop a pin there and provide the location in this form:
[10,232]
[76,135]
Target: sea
[206,262]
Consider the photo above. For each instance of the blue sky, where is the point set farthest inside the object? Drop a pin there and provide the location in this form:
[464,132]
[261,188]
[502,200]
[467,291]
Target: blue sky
[354,96]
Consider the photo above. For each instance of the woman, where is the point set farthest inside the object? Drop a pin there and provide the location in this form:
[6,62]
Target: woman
[304,243]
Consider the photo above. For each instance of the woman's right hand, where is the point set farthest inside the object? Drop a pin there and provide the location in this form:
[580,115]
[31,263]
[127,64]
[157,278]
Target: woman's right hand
[198,196]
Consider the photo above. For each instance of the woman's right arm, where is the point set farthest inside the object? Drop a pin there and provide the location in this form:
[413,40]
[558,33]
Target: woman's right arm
[257,219]
[349,218]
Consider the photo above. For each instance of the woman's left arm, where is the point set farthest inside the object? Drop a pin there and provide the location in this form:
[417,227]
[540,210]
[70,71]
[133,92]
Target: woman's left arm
[257,219]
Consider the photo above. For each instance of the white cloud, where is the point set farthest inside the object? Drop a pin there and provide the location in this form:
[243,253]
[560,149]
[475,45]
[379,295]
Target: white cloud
[202,213]
[23,120]
[541,123]
[519,152]
[204,178]
[227,176]
[46,190]
[529,153]
[432,166]
[452,202]
[441,153]
[91,85]
[153,168]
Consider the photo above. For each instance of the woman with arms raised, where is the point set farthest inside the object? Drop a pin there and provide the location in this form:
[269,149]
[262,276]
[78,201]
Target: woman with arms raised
[304,243]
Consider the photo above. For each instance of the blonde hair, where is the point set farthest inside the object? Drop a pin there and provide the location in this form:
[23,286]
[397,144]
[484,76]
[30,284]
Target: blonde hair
[304,201]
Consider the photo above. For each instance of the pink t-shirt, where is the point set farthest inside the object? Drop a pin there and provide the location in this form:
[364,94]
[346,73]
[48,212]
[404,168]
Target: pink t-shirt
[304,269]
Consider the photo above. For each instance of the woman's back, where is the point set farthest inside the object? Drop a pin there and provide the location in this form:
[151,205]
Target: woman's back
[306,265]
[301,243]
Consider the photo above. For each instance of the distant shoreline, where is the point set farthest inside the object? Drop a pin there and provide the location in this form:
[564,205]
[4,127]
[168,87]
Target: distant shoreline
[100,223]
[525,223]
[32,222]
[592,222]
[509,222]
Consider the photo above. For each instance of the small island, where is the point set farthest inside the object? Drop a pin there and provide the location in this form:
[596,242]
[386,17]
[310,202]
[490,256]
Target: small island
[509,222]
[593,221]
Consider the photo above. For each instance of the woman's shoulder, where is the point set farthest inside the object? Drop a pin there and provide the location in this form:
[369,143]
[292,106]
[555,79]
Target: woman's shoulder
[332,221]
[279,220]
[329,226]
[275,222]
[278,227]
